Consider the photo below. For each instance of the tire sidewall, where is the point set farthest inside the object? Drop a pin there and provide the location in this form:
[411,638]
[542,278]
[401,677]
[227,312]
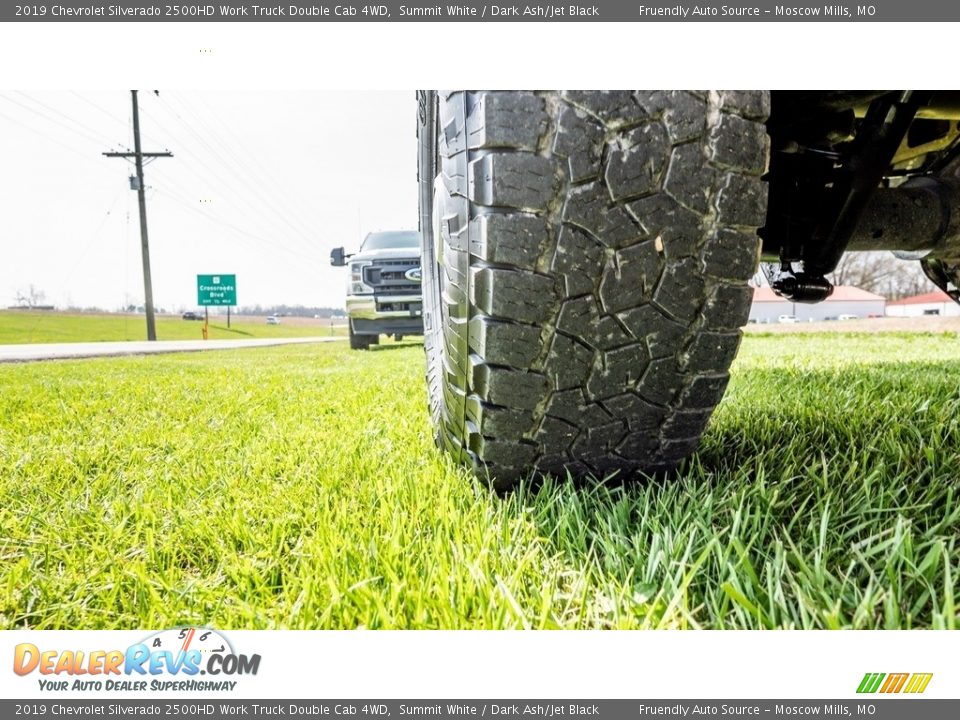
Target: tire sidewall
[427,172]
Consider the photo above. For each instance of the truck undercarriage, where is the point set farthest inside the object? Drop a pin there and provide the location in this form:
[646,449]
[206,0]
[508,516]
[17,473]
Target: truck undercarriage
[861,170]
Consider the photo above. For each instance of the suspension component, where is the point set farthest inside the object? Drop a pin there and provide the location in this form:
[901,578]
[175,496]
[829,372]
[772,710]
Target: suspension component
[821,188]
[922,215]
[861,170]
[797,286]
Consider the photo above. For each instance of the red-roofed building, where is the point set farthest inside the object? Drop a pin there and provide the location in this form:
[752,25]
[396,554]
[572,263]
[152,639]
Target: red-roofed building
[931,303]
[844,301]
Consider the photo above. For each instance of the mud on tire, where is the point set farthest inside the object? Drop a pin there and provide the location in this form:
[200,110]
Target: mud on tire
[586,257]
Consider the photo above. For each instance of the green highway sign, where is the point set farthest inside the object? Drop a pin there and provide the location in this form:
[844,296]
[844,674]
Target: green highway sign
[216,290]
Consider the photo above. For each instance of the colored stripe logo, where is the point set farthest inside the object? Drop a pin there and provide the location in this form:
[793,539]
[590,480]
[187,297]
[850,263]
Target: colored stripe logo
[894,683]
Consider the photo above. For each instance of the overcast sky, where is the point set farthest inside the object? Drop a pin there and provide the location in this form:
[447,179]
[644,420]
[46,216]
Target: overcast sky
[262,184]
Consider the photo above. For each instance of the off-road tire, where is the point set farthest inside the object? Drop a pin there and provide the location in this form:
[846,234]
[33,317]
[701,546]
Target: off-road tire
[361,342]
[585,267]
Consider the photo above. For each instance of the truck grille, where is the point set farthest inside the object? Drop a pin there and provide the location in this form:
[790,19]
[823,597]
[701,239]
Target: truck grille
[389,277]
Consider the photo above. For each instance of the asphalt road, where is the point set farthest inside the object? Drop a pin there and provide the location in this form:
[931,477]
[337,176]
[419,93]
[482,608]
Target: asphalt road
[64,351]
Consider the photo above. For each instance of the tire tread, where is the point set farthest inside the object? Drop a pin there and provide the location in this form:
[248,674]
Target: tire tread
[595,252]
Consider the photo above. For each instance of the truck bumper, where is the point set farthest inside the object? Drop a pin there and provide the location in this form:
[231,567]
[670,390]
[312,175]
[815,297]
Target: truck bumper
[387,326]
[383,316]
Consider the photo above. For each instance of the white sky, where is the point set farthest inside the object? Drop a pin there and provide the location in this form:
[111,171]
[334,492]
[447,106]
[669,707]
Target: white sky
[262,184]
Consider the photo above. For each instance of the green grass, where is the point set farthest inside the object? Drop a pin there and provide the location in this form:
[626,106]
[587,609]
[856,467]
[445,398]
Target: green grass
[299,487]
[18,326]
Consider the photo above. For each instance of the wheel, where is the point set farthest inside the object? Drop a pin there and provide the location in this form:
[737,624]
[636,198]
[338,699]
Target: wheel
[360,342]
[585,267]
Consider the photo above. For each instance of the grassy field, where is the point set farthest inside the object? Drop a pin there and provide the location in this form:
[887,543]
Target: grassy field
[18,326]
[299,487]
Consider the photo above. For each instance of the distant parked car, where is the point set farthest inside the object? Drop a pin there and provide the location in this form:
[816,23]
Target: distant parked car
[273,320]
[191,315]
[787,319]
[848,317]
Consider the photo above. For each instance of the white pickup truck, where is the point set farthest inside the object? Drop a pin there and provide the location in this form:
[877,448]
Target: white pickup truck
[384,295]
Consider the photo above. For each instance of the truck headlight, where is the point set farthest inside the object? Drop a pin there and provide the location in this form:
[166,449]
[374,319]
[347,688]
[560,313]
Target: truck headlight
[357,286]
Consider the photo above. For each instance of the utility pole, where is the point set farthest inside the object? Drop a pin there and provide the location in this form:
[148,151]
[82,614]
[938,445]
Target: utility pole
[138,155]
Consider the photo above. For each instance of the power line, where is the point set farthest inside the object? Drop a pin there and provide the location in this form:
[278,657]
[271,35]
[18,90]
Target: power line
[244,203]
[241,176]
[240,160]
[87,128]
[83,252]
[293,251]
[34,130]
[125,122]
[240,203]
[95,236]
[185,202]
[53,120]
[109,114]
[305,258]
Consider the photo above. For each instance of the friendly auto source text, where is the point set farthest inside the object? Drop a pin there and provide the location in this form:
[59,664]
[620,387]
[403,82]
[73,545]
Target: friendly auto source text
[702,11]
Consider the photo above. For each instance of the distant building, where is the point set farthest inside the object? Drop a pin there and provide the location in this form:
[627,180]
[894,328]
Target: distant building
[931,303]
[845,300]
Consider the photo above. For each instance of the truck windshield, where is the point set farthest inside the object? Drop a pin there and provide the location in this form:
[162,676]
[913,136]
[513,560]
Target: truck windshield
[388,240]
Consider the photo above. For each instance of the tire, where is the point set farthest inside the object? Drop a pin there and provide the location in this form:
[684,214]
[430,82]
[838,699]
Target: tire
[585,267]
[360,342]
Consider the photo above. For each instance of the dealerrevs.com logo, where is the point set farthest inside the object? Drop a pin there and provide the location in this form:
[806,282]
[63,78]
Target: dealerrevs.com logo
[910,683]
[169,660]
